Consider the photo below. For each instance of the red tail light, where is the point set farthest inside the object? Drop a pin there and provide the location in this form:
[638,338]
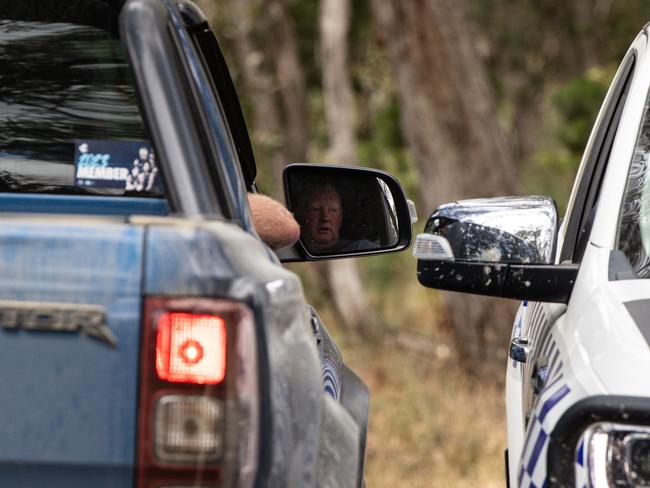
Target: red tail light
[197,419]
[191,348]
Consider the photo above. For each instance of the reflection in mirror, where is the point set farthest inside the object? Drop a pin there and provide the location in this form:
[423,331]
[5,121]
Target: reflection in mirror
[506,230]
[341,213]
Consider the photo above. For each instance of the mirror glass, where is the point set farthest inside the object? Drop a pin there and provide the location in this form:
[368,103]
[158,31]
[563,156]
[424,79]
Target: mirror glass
[342,212]
[506,229]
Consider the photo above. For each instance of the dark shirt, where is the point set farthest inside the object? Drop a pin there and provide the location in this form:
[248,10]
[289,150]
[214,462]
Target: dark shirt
[348,245]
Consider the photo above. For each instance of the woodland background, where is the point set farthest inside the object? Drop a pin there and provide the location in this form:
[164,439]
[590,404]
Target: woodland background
[457,98]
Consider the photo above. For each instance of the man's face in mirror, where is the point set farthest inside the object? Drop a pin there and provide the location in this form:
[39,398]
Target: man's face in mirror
[320,218]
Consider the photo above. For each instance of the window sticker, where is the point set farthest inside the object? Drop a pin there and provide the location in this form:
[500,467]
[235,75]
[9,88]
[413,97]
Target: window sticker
[126,165]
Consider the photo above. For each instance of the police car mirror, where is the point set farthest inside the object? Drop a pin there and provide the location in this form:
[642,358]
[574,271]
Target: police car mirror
[499,230]
[497,246]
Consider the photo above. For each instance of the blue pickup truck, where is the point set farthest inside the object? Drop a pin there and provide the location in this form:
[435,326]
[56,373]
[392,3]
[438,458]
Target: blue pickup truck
[149,338]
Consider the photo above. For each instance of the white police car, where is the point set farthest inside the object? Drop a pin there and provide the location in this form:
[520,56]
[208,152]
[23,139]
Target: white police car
[578,376]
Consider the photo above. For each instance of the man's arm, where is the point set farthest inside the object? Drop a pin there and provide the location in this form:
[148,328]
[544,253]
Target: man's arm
[273,222]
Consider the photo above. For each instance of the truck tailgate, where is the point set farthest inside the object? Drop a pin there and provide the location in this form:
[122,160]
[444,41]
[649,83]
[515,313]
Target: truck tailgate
[69,397]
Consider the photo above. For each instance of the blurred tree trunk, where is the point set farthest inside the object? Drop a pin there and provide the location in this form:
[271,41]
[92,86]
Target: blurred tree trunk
[570,27]
[260,87]
[337,87]
[448,113]
[291,82]
[449,120]
[274,81]
[344,279]
[532,46]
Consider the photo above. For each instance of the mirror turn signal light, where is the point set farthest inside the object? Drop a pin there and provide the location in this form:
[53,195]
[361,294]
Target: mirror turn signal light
[431,247]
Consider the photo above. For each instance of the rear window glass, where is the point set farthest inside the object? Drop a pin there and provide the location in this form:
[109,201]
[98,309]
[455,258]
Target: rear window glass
[69,121]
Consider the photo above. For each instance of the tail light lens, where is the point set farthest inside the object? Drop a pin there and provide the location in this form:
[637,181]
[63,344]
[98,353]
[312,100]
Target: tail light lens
[198,408]
[191,348]
[188,427]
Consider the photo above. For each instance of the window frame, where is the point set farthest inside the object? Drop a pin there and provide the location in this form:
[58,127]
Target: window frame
[212,127]
[168,103]
[580,215]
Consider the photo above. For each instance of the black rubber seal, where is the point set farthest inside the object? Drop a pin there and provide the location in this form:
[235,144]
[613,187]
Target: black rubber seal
[563,441]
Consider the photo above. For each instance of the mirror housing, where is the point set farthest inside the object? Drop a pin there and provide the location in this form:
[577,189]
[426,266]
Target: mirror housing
[503,247]
[345,211]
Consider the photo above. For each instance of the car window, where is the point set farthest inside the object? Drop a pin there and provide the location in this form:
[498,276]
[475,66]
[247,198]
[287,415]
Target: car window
[634,225]
[69,121]
[581,215]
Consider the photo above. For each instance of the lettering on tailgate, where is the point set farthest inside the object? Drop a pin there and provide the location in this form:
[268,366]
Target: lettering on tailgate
[57,317]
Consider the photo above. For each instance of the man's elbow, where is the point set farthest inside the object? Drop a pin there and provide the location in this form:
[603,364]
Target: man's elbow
[273,222]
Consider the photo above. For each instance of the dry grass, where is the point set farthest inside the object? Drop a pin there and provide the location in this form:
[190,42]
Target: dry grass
[429,425]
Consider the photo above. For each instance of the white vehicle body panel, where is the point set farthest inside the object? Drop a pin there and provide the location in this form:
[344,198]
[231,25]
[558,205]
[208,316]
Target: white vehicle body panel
[592,346]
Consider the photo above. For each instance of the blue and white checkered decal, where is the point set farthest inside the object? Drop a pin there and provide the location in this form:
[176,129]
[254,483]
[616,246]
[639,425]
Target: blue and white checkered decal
[532,473]
[331,382]
[581,464]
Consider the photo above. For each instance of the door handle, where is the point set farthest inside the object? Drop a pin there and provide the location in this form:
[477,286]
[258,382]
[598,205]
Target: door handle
[519,349]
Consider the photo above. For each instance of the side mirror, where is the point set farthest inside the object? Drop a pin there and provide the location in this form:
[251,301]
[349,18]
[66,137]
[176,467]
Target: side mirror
[346,211]
[501,247]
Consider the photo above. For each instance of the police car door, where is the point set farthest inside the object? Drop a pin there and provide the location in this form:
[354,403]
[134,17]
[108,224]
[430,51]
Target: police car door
[536,362]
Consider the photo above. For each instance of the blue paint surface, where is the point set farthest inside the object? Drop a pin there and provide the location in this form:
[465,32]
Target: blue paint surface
[186,261]
[539,444]
[81,205]
[552,401]
[69,401]
[580,455]
[331,382]
[553,393]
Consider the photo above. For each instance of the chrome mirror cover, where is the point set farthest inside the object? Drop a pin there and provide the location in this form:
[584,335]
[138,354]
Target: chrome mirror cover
[499,230]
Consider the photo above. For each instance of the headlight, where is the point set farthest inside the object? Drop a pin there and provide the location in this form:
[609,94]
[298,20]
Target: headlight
[617,455]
